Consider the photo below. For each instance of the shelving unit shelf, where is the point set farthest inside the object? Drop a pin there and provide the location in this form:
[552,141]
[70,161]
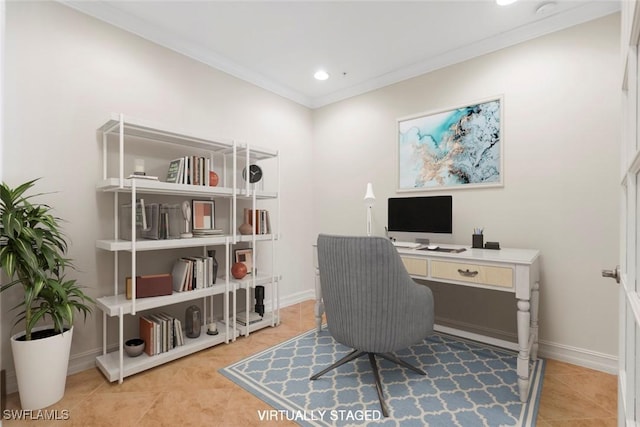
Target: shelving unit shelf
[112,305]
[192,242]
[169,188]
[115,364]
[109,363]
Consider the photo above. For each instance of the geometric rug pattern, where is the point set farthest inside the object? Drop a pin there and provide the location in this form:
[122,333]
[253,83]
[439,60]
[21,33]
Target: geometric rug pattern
[468,384]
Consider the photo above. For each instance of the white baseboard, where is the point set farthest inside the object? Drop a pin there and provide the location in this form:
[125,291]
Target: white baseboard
[297,297]
[550,350]
[579,356]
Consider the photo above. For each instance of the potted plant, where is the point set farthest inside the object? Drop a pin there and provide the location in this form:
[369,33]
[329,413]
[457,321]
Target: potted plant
[33,256]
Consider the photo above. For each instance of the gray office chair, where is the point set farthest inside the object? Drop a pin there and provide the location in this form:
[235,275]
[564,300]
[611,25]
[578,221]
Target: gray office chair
[371,303]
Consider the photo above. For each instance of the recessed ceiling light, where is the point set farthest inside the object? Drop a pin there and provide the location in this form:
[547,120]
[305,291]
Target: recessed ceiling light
[321,75]
[505,2]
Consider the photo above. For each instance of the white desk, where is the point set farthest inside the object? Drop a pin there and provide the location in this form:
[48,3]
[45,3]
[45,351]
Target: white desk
[509,270]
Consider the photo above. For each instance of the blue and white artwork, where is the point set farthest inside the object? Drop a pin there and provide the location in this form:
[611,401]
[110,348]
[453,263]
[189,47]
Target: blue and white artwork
[458,147]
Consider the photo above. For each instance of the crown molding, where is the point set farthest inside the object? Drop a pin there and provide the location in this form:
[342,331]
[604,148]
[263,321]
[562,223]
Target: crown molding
[561,21]
[103,11]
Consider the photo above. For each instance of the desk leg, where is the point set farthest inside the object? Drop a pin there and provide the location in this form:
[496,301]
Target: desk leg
[524,321]
[319,308]
[535,298]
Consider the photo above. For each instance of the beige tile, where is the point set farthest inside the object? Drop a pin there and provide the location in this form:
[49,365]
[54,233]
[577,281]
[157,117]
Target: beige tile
[111,409]
[585,422]
[556,367]
[197,407]
[598,387]
[560,400]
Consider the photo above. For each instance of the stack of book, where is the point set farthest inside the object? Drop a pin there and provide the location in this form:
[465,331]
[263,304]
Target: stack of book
[193,170]
[260,221]
[190,273]
[153,220]
[252,317]
[160,333]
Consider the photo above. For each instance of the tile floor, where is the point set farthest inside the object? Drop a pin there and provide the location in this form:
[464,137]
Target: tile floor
[190,391]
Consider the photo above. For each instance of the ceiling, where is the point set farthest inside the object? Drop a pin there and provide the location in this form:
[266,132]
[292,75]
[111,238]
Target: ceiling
[364,45]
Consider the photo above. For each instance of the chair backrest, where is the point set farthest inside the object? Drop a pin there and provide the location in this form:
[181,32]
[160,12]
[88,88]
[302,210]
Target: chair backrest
[371,302]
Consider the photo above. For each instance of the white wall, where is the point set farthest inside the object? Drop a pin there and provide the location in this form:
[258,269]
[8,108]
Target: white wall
[66,73]
[561,132]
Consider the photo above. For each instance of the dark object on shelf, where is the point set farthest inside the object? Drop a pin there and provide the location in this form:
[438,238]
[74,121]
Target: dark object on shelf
[151,285]
[134,347]
[441,249]
[492,245]
[214,272]
[477,240]
[193,321]
[259,300]
[255,174]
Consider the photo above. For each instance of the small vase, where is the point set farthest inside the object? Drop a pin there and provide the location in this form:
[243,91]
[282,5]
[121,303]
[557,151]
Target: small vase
[193,321]
[213,179]
[246,227]
[214,273]
[239,270]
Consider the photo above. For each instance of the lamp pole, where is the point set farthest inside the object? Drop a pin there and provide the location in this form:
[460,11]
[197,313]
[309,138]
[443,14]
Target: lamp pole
[369,199]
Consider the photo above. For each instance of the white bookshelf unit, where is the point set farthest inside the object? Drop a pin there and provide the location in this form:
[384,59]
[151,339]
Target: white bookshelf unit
[231,157]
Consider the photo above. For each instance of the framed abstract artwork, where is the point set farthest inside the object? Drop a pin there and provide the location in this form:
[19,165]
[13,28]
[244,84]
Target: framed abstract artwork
[203,214]
[245,256]
[455,148]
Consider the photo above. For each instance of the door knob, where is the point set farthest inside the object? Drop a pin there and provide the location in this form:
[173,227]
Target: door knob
[614,274]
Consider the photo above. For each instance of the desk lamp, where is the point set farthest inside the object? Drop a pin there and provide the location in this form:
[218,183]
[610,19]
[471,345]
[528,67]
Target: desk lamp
[369,199]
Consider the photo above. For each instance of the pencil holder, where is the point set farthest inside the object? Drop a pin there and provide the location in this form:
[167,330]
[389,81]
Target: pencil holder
[477,241]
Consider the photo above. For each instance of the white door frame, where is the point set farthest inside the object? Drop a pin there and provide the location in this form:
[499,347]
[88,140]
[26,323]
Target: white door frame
[627,273]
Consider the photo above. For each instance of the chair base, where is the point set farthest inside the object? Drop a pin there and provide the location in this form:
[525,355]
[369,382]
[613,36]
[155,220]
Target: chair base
[374,365]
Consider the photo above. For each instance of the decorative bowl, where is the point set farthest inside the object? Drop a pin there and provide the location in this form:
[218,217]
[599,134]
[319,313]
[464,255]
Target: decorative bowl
[134,347]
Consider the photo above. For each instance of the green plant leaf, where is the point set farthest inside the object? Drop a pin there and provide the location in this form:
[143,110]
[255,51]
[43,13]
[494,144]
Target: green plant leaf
[32,253]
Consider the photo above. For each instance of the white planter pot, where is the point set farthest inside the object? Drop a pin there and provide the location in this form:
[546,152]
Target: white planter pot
[41,368]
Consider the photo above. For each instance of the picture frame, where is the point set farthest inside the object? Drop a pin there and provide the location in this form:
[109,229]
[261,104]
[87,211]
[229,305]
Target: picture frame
[245,256]
[203,214]
[452,148]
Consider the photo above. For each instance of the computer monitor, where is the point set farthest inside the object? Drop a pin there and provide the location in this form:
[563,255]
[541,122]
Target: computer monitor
[419,216]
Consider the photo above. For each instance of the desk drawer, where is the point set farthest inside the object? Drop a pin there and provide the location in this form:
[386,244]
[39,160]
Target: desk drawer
[416,266]
[473,273]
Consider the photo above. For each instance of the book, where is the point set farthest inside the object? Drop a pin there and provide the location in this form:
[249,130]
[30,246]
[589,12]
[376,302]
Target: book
[175,170]
[151,285]
[253,317]
[178,328]
[141,214]
[146,333]
[147,177]
[157,330]
[179,274]
[259,219]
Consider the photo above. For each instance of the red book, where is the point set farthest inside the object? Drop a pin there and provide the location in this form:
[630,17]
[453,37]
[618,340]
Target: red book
[147,335]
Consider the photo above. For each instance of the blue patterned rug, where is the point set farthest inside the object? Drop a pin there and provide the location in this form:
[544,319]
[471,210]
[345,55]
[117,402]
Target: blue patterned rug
[467,384]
